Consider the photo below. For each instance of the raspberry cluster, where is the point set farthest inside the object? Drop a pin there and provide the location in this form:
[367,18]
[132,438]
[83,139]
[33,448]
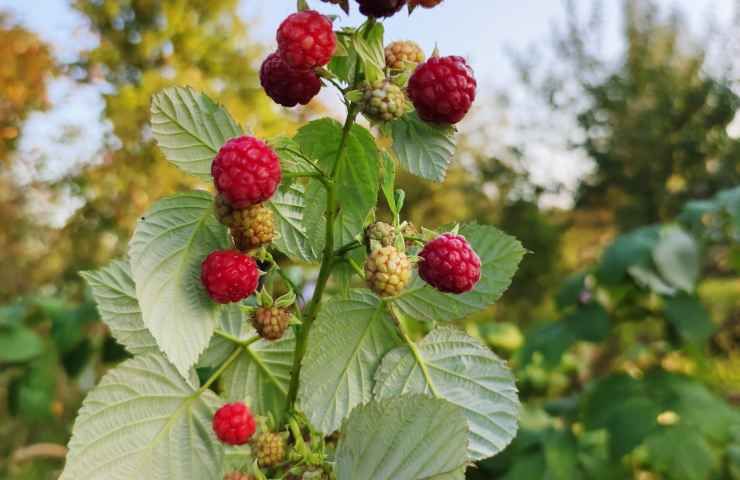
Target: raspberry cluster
[271,322]
[442,89]
[269,449]
[234,424]
[449,264]
[387,271]
[229,276]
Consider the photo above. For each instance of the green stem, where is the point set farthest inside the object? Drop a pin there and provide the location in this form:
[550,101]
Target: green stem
[327,262]
[347,248]
[414,351]
[218,372]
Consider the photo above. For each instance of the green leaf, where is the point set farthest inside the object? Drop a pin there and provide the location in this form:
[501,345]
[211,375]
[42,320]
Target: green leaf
[551,341]
[358,176]
[19,344]
[115,293]
[368,43]
[589,323]
[646,277]
[389,183]
[288,205]
[261,373]
[411,437]
[166,253]
[453,366]
[345,347]
[423,149]
[690,318]
[291,159]
[345,66]
[634,248]
[677,258]
[33,395]
[190,128]
[235,322]
[500,255]
[628,421]
[144,421]
[570,290]
[681,453]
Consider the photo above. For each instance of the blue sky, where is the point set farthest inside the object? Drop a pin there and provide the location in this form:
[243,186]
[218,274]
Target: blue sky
[480,30]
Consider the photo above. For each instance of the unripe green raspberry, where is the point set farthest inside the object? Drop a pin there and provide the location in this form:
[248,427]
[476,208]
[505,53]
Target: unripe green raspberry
[382,233]
[383,101]
[271,322]
[252,227]
[402,54]
[269,448]
[387,271]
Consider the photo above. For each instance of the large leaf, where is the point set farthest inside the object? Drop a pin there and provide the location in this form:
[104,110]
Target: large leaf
[288,205]
[412,437]
[190,128]
[19,344]
[291,157]
[144,421]
[422,148]
[458,368]
[233,321]
[115,293]
[681,453]
[358,174]
[166,253]
[500,255]
[261,373]
[690,318]
[677,258]
[345,347]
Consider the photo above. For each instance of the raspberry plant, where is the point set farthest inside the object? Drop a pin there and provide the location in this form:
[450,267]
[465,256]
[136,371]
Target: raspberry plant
[322,382]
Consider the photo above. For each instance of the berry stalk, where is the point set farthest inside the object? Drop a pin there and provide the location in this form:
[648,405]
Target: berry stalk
[327,262]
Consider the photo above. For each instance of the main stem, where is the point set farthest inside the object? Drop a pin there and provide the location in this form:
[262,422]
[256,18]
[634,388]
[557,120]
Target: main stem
[327,262]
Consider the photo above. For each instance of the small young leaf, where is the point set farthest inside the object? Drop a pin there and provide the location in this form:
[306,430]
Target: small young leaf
[115,293]
[389,183]
[190,128]
[448,363]
[409,437]
[345,66]
[141,414]
[500,255]
[344,348]
[166,253]
[422,148]
[368,43]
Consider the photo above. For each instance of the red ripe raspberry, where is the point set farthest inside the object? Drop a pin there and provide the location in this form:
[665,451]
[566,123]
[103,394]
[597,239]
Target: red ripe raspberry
[234,423]
[246,171]
[380,8]
[442,89]
[229,276]
[424,3]
[286,85]
[306,40]
[449,264]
